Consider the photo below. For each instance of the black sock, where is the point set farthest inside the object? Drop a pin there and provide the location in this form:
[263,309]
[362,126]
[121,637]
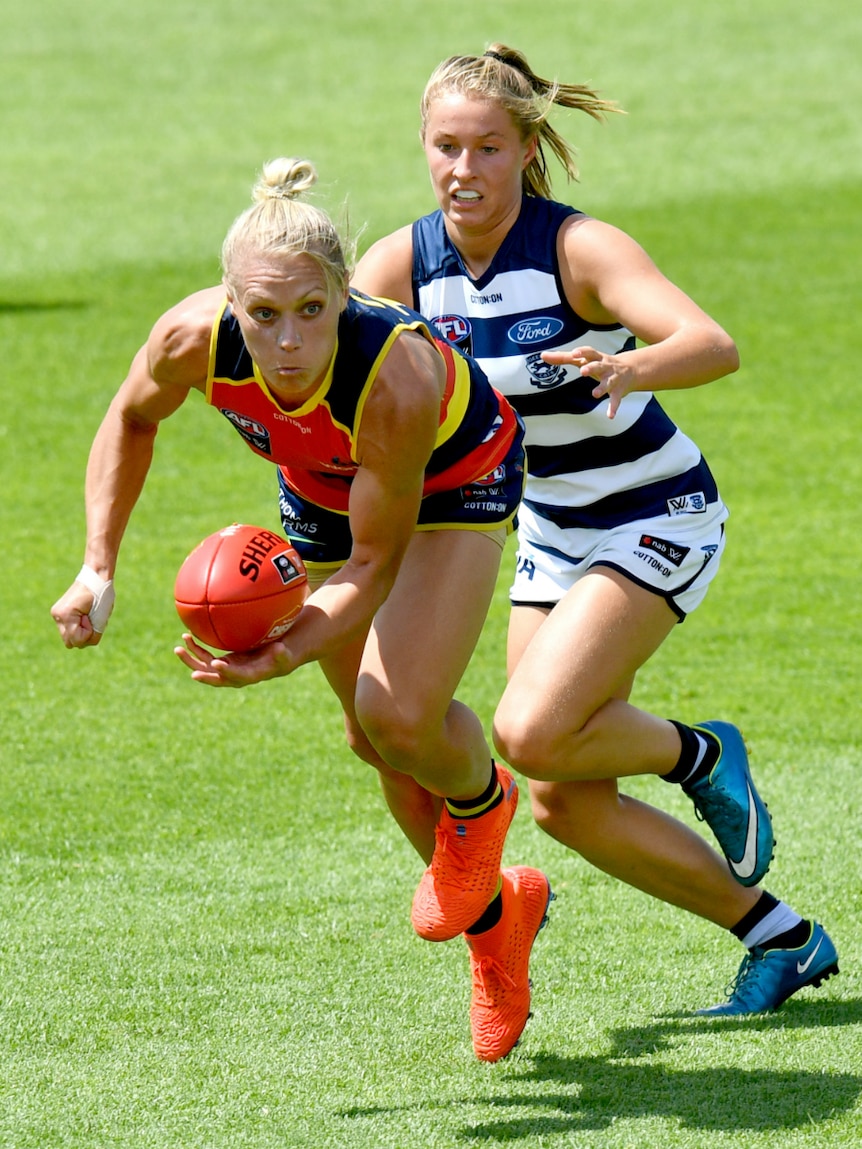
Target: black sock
[763,906]
[790,939]
[490,917]
[700,752]
[490,797]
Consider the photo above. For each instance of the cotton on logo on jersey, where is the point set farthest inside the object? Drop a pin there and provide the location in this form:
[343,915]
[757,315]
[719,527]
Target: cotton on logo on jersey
[456,329]
[538,330]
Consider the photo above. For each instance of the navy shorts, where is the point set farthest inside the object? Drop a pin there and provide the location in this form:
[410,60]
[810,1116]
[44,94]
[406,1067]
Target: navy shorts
[322,537]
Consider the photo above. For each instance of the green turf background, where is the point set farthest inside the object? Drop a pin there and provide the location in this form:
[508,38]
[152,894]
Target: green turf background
[203,907]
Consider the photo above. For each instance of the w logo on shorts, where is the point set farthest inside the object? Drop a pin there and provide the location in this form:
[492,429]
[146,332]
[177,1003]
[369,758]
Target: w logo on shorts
[687,504]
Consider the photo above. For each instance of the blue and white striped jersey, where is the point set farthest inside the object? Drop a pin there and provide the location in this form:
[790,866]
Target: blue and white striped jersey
[587,473]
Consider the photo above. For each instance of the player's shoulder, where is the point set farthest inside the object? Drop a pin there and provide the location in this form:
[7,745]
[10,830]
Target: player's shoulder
[587,232]
[192,316]
[179,343]
[396,242]
[386,267]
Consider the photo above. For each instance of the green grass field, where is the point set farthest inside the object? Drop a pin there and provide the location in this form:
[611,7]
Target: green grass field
[204,934]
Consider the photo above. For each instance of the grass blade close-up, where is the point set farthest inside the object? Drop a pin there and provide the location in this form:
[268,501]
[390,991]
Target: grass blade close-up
[205,937]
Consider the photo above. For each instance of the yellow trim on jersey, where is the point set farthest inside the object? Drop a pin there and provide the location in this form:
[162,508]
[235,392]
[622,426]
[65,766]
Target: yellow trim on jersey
[459,399]
[313,401]
[318,573]
[214,333]
[507,524]
[458,402]
[375,369]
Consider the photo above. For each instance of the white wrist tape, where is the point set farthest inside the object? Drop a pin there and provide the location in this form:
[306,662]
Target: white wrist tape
[102,591]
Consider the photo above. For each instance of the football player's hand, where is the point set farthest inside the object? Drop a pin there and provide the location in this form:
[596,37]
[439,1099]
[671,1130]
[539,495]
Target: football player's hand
[614,374]
[81,615]
[270,661]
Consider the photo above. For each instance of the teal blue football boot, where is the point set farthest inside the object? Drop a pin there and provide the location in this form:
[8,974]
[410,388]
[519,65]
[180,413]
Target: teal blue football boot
[726,799]
[767,977]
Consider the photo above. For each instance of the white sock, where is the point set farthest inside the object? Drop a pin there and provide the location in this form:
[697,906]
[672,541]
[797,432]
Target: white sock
[776,922]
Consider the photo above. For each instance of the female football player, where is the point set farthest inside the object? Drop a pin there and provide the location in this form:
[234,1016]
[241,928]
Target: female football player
[400,470]
[622,527]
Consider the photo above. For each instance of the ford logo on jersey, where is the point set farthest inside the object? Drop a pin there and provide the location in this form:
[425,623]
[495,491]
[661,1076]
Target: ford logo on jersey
[535,330]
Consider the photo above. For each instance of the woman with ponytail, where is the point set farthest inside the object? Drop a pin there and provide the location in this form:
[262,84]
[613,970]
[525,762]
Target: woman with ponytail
[622,526]
[400,471]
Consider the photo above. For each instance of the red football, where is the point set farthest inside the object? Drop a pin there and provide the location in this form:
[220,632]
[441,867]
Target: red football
[240,588]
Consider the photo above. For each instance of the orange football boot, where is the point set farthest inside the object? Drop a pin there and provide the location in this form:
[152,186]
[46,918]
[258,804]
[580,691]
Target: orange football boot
[500,961]
[464,874]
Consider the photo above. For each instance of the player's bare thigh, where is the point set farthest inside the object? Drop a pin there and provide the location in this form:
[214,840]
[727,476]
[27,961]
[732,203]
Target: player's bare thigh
[423,636]
[584,653]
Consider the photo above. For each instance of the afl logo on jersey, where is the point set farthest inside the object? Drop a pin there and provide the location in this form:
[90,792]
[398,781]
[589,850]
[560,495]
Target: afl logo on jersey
[538,330]
[456,329]
[254,433]
[243,424]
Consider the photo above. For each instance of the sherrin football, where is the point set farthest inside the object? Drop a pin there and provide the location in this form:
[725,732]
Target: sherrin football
[240,588]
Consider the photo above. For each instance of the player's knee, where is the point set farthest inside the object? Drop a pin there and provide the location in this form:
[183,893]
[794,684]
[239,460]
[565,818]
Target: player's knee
[358,743]
[399,735]
[524,744]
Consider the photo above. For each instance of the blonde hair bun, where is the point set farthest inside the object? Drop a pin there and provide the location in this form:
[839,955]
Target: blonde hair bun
[284,179]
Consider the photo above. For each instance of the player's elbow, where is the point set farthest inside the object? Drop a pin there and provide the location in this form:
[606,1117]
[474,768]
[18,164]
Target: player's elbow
[726,353]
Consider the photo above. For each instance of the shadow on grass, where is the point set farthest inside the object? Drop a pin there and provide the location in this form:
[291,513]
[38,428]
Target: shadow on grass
[589,1093]
[608,1087]
[25,306]
[636,1040]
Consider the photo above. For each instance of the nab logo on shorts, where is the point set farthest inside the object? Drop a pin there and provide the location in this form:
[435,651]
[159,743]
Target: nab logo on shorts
[456,329]
[672,552]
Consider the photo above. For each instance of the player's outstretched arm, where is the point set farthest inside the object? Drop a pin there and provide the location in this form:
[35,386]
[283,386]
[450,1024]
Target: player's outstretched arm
[173,360]
[608,278]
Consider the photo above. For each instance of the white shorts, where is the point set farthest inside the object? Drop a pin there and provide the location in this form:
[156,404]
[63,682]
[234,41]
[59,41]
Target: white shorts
[676,558]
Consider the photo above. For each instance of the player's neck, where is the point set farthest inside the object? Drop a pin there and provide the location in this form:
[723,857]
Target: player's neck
[478,248]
